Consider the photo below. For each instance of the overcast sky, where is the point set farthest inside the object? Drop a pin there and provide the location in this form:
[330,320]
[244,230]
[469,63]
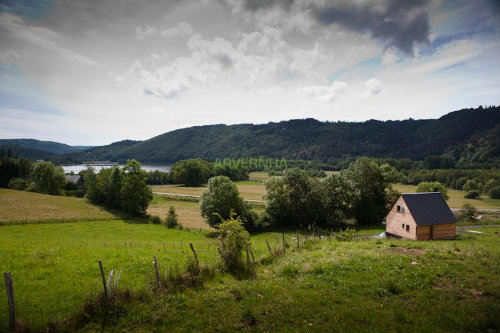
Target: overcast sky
[92,72]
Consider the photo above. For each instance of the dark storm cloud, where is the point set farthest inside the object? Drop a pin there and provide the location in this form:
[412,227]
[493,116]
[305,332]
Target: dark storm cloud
[402,24]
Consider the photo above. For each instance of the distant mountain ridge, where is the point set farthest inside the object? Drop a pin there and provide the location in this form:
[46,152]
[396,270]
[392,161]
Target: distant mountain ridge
[473,134]
[32,148]
[468,135]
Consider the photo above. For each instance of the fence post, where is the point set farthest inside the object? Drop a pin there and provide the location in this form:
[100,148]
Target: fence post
[157,273]
[251,253]
[10,298]
[269,247]
[103,281]
[284,244]
[195,255]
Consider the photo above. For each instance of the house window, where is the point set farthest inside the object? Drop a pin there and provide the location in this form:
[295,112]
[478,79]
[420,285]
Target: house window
[402,225]
[407,227]
[400,209]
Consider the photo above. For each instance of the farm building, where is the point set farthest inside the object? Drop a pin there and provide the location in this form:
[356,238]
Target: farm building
[421,216]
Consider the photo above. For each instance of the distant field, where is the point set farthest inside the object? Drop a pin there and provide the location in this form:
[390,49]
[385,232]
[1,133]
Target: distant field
[253,191]
[259,176]
[188,212]
[457,199]
[26,207]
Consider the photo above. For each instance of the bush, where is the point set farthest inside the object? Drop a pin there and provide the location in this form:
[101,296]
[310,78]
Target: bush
[171,219]
[155,219]
[18,184]
[474,194]
[232,239]
[467,213]
[431,186]
[494,193]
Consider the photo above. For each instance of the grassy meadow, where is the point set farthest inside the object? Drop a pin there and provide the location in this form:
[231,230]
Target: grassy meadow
[27,207]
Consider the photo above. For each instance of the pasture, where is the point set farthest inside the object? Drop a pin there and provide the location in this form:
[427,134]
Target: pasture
[27,207]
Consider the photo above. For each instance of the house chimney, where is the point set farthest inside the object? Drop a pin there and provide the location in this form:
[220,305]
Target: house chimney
[435,189]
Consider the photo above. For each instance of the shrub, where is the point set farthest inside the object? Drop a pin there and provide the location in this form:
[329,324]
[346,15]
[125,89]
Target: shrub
[18,184]
[467,213]
[232,239]
[171,219]
[155,219]
[474,194]
[431,186]
[494,193]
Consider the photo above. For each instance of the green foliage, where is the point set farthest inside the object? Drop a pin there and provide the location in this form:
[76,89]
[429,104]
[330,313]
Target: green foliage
[232,240]
[433,187]
[171,219]
[469,137]
[157,177]
[155,219]
[467,213]
[220,198]
[472,194]
[135,193]
[18,184]
[192,172]
[234,173]
[470,185]
[13,168]
[489,184]
[340,200]
[370,184]
[115,187]
[494,193]
[47,178]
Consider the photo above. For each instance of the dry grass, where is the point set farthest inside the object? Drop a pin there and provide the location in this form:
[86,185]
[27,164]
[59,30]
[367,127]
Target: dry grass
[19,206]
[252,192]
[188,213]
[456,200]
[259,176]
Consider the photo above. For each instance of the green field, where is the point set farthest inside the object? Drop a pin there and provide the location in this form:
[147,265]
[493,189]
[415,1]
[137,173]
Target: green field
[27,207]
[326,286]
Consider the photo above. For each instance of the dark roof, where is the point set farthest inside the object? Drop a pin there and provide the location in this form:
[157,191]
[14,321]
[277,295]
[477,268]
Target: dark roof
[428,208]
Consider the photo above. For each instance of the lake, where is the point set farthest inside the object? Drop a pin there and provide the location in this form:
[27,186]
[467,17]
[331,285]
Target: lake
[147,167]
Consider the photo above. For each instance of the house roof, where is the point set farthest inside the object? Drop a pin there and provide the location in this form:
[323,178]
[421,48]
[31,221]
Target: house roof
[73,178]
[428,208]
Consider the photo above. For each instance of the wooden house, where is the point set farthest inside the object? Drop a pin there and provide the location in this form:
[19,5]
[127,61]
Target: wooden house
[421,216]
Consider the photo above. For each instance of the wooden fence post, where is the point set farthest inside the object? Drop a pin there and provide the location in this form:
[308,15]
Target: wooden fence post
[157,273]
[103,281]
[251,253]
[284,244]
[269,247]
[10,298]
[195,255]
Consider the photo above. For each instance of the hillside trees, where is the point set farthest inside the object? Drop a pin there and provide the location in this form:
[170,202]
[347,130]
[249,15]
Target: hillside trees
[45,177]
[120,189]
[191,172]
[220,199]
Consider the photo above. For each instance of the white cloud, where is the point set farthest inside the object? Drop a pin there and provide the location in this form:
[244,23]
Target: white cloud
[327,93]
[373,87]
[40,36]
[181,29]
[8,57]
[143,32]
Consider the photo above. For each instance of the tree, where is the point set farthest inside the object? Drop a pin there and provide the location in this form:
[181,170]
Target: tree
[370,185]
[470,185]
[494,192]
[295,199]
[193,172]
[114,188]
[47,178]
[220,198]
[431,187]
[340,198]
[135,193]
[171,219]
[232,239]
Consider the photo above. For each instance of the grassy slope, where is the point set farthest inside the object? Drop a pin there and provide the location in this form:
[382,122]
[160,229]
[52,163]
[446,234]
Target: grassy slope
[19,206]
[457,199]
[365,286]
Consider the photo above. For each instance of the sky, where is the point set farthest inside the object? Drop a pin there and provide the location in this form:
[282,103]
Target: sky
[93,72]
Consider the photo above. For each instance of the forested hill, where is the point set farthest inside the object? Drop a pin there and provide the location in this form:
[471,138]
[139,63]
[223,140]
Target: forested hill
[36,149]
[470,134]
